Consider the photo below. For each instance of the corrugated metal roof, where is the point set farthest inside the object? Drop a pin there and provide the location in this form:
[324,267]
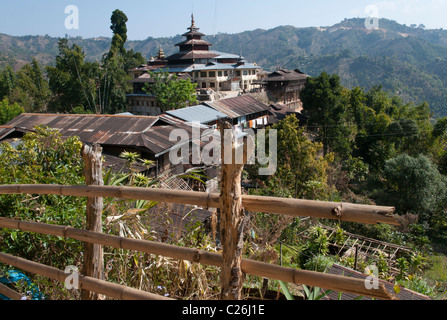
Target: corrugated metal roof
[286,75]
[194,42]
[404,294]
[119,130]
[239,106]
[200,113]
[225,55]
[196,54]
[5,130]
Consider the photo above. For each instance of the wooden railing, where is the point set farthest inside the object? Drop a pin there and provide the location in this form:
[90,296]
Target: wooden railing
[229,261]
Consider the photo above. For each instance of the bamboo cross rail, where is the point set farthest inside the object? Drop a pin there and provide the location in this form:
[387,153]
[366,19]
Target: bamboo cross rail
[11,294]
[311,278]
[86,283]
[294,207]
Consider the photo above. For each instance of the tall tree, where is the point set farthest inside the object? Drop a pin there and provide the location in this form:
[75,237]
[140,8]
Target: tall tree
[115,65]
[325,104]
[119,28]
[73,81]
[32,89]
[302,170]
[414,184]
[7,81]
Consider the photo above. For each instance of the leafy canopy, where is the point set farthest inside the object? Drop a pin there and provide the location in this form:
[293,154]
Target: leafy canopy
[42,157]
[172,92]
[9,111]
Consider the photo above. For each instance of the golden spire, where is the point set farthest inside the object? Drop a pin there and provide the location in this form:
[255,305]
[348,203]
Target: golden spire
[193,24]
[161,55]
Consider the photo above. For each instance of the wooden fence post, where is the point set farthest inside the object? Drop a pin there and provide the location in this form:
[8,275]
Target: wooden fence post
[231,215]
[93,255]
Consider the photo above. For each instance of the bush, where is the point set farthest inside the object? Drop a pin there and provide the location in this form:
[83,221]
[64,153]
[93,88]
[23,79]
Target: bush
[320,263]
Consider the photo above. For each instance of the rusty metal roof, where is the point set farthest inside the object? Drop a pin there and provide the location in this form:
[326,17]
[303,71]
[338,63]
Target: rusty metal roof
[286,75]
[404,294]
[5,130]
[151,133]
[237,107]
[194,42]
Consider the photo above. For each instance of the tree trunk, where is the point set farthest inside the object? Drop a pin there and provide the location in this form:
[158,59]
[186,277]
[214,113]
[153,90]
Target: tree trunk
[93,255]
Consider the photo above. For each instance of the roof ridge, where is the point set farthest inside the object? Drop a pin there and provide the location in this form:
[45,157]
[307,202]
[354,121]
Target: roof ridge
[89,115]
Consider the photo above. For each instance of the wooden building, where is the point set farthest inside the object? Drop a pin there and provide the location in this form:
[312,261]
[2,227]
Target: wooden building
[211,70]
[284,86]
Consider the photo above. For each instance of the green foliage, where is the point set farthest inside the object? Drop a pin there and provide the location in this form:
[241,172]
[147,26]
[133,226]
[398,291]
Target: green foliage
[320,263]
[32,90]
[316,247]
[301,171]
[414,185]
[42,158]
[171,92]
[119,28]
[314,293]
[418,284]
[7,82]
[27,87]
[324,103]
[9,111]
[73,81]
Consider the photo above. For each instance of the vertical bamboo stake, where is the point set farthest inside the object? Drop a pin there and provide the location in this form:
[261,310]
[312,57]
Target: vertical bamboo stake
[231,215]
[93,255]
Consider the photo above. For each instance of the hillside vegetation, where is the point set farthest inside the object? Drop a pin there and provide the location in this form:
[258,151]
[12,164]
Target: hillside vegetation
[406,61]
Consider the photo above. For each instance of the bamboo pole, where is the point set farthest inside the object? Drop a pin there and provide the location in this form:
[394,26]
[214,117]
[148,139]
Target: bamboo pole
[261,269]
[293,207]
[112,290]
[11,294]
[93,254]
[231,215]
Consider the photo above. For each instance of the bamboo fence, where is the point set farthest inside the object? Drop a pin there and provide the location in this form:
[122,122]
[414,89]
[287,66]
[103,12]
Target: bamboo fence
[230,201]
[11,294]
[261,269]
[293,207]
[85,283]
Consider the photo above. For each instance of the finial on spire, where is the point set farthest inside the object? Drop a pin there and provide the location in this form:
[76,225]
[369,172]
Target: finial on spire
[193,24]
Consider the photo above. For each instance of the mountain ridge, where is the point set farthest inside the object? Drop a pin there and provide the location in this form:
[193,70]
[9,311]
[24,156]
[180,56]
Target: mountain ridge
[406,60]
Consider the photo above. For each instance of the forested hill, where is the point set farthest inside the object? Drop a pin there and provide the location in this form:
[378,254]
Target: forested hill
[410,61]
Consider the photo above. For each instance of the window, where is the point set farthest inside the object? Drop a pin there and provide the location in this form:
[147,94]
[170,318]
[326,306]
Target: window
[226,73]
[212,85]
[220,73]
[212,74]
[203,74]
[245,72]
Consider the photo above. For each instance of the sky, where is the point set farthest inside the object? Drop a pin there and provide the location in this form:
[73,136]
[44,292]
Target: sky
[167,18]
